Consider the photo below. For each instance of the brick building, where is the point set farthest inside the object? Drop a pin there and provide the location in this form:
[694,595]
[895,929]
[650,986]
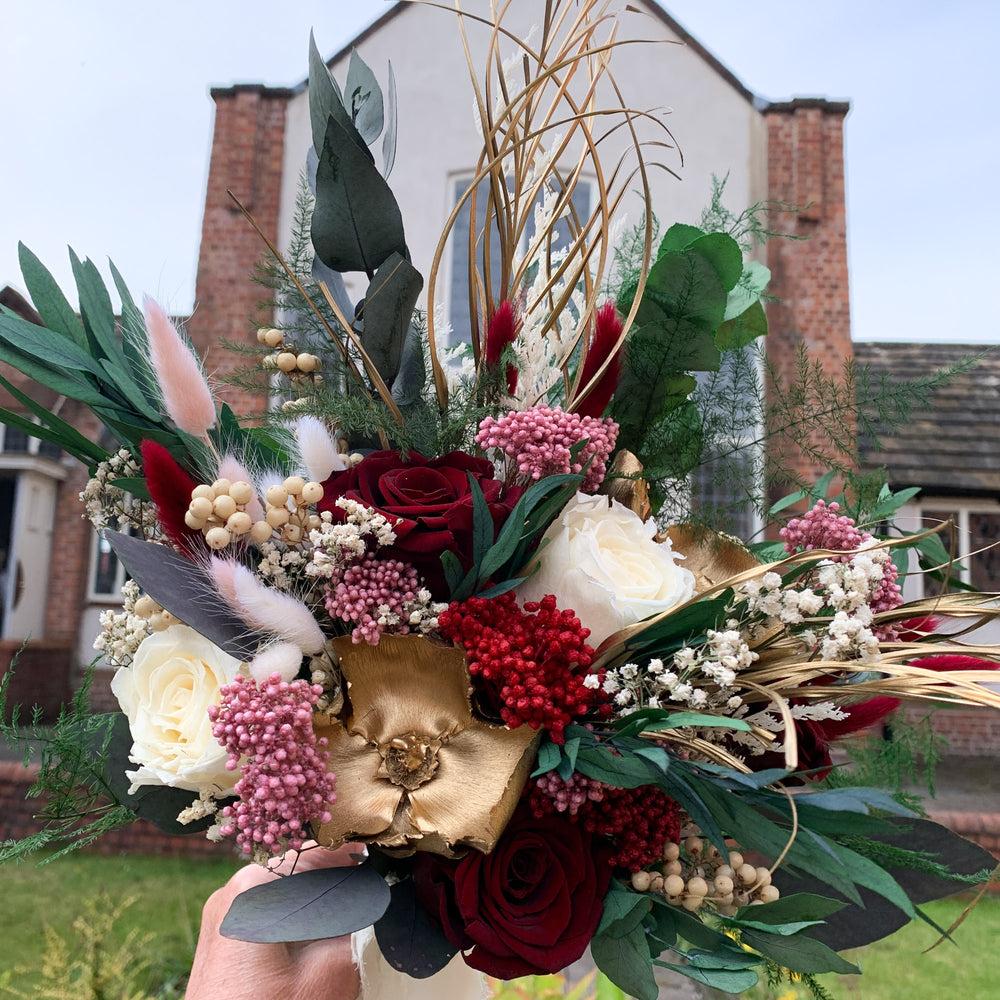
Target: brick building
[790,152]
[54,575]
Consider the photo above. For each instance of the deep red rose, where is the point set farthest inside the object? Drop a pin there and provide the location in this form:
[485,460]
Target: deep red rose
[530,906]
[429,502]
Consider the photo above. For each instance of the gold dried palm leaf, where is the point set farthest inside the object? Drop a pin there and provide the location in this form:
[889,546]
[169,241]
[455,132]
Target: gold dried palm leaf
[539,132]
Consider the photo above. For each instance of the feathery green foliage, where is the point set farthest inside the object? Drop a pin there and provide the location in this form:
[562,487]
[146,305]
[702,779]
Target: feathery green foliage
[909,758]
[76,807]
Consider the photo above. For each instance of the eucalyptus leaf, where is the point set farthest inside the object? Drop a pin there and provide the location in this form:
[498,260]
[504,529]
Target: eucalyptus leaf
[326,101]
[623,911]
[184,589]
[19,421]
[549,756]
[626,962]
[785,930]
[722,958]
[856,800]
[48,299]
[673,922]
[453,572]
[74,385]
[334,282]
[727,980]
[408,385]
[363,98]
[788,501]
[130,392]
[356,224]
[725,256]
[501,588]
[625,771]
[308,906]
[678,237]
[482,522]
[389,137]
[135,341]
[798,953]
[748,290]
[51,349]
[58,431]
[409,941]
[796,907]
[388,311]
[877,917]
[743,329]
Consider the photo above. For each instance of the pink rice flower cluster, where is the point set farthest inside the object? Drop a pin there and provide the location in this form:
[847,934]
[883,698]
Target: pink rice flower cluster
[284,782]
[539,441]
[565,796]
[823,527]
[376,594]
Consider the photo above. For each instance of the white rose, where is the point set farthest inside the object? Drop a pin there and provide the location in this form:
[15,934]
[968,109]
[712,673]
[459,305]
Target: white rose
[175,675]
[603,562]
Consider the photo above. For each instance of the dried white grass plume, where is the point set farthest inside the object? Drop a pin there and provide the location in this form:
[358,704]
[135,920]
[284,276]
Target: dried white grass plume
[280,614]
[186,395]
[282,658]
[318,449]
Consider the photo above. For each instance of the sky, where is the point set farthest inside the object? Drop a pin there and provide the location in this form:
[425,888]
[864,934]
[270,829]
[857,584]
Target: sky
[107,126]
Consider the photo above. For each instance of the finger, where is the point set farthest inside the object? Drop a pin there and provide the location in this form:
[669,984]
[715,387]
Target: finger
[313,856]
[327,970]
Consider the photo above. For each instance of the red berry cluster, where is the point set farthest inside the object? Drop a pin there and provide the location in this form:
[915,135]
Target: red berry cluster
[640,821]
[535,659]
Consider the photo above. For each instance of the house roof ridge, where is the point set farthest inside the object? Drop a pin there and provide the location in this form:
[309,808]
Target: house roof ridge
[654,8]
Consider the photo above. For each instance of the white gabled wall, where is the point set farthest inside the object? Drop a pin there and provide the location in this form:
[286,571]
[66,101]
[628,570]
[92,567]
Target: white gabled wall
[715,125]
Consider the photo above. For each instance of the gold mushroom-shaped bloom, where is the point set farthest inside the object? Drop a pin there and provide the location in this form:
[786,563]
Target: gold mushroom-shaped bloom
[416,770]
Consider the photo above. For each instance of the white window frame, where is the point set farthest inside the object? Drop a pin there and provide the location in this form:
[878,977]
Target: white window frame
[95,596]
[910,517]
[458,183]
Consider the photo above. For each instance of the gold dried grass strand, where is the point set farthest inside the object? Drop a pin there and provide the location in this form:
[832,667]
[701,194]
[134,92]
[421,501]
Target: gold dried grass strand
[781,703]
[515,229]
[517,109]
[577,395]
[696,744]
[793,833]
[973,903]
[604,212]
[370,368]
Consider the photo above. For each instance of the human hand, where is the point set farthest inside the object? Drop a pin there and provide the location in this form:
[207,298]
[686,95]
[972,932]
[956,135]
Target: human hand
[306,970]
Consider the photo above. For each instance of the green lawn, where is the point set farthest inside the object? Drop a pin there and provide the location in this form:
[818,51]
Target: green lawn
[897,968]
[169,893]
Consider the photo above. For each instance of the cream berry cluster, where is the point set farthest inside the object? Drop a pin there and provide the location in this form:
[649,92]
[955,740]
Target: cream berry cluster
[700,875]
[224,511]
